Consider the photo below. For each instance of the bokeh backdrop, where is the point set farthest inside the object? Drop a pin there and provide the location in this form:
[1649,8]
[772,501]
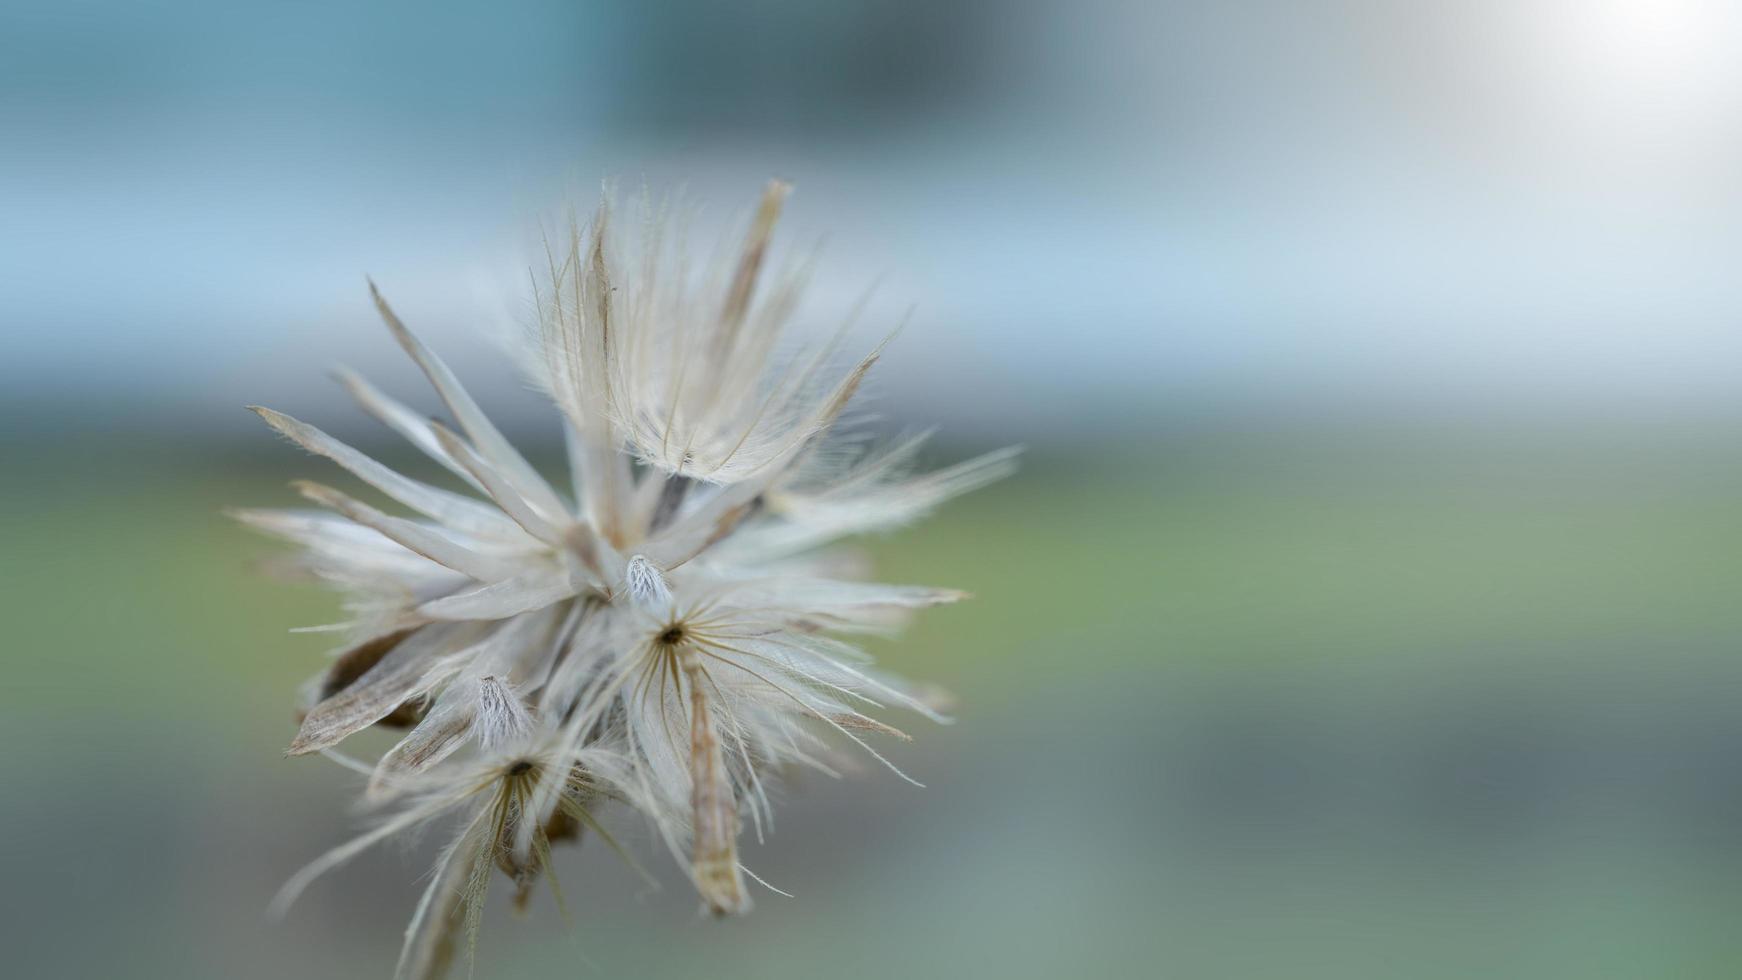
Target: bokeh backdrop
[1366,605]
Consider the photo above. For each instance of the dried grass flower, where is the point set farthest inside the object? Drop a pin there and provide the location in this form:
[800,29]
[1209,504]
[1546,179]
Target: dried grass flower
[667,632]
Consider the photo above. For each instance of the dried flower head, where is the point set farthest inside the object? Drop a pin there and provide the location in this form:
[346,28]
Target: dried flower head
[664,634]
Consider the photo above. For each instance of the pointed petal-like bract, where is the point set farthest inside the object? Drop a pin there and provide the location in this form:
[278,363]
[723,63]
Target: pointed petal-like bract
[415,428]
[404,673]
[489,439]
[499,600]
[426,541]
[451,509]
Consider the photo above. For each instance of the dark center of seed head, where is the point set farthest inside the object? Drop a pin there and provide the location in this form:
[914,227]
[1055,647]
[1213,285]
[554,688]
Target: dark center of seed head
[520,768]
[672,636]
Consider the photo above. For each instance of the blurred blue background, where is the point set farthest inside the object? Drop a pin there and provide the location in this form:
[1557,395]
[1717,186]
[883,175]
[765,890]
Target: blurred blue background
[1366,606]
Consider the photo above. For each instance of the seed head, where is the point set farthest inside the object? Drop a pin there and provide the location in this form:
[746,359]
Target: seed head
[660,633]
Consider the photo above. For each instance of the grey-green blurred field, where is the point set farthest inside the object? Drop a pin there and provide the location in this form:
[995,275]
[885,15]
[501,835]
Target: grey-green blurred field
[1423,703]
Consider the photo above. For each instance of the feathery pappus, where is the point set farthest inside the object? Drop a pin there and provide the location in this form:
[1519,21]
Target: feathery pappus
[667,632]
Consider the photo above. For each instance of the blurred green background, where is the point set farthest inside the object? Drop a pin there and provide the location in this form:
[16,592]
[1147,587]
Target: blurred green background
[1365,605]
[1395,704]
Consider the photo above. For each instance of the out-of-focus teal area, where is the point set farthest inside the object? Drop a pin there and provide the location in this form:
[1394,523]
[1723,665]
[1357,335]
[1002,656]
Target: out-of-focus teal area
[1325,705]
[1366,605]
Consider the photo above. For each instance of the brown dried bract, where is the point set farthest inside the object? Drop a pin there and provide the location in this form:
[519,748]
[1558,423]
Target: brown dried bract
[355,662]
